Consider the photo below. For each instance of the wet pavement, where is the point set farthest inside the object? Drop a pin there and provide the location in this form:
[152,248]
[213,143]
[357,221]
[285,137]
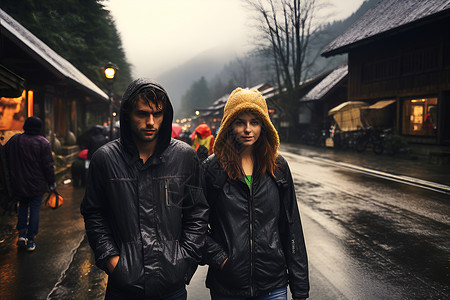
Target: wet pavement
[62,266]
[371,231]
[414,166]
[42,273]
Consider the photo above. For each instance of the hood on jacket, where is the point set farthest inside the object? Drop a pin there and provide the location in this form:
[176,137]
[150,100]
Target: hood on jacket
[241,100]
[165,131]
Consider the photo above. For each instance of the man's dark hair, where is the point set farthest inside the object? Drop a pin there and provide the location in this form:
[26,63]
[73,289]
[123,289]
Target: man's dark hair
[149,95]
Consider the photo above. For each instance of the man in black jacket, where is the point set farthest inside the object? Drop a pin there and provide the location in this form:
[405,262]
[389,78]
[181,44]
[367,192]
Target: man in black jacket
[144,210]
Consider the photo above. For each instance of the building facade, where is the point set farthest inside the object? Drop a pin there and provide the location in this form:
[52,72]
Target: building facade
[399,51]
[36,81]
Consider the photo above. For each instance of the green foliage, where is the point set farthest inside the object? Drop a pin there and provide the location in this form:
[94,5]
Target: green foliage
[83,32]
[198,96]
[218,89]
[201,96]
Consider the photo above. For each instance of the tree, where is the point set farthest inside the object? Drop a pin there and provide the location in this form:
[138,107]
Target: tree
[83,32]
[286,27]
[198,96]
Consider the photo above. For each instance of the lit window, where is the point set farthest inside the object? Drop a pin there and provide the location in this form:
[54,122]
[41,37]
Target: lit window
[420,117]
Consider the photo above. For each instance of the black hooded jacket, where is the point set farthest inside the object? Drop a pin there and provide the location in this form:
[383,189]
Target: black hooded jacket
[153,215]
[258,230]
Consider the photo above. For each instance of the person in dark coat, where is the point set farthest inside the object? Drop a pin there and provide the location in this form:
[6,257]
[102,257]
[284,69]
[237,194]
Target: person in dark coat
[32,173]
[96,140]
[78,169]
[144,210]
[255,246]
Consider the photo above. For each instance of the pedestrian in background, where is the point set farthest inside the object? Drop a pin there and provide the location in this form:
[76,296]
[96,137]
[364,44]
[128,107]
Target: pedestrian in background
[79,168]
[96,140]
[203,141]
[144,210]
[255,246]
[32,172]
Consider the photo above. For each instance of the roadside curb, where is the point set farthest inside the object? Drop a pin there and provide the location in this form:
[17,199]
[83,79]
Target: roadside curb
[398,178]
[367,166]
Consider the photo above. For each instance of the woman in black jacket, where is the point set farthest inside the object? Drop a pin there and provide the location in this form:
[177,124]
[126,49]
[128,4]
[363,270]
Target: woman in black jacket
[255,247]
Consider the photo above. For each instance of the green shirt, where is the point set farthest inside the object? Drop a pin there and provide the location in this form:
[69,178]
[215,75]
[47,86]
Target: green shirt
[248,180]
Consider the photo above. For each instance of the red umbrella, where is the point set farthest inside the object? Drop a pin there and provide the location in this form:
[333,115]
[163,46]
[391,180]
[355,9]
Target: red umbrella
[176,130]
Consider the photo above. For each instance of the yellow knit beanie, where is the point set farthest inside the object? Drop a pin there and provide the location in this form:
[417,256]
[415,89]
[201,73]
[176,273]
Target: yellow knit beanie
[251,101]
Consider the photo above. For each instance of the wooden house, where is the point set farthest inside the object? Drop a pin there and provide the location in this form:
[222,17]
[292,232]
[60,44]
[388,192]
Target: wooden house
[212,115]
[400,51]
[325,95]
[36,81]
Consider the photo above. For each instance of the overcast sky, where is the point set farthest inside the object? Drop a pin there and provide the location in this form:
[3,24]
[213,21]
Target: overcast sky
[158,35]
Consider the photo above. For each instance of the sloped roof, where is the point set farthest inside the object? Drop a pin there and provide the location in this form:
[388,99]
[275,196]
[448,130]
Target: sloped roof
[45,55]
[387,17]
[219,104]
[326,85]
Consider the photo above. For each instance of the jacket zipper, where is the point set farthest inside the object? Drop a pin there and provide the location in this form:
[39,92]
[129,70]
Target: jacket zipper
[251,239]
[166,191]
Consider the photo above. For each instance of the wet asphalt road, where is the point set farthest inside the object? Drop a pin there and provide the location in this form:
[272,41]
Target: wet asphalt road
[368,237]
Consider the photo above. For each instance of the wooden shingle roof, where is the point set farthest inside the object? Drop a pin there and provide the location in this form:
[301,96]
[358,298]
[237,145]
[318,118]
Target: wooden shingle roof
[387,18]
[326,84]
[46,56]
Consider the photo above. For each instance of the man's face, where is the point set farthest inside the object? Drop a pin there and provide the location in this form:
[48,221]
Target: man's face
[145,121]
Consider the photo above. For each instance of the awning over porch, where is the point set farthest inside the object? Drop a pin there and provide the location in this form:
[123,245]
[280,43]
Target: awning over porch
[348,115]
[379,115]
[346,106]
[380,104]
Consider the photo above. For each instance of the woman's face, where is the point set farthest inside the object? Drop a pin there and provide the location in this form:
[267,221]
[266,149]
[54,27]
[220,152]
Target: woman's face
[246,128]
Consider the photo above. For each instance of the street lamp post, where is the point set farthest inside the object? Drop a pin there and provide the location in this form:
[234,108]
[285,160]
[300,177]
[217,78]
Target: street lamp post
[110,74]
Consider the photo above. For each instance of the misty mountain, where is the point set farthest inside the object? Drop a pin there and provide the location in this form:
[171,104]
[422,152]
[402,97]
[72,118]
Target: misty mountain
[328,33]
[223,63]
[207,64]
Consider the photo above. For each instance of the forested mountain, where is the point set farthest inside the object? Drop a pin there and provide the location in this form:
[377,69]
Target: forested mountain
[330,32]
[250,69]
[82,32]
[85,34]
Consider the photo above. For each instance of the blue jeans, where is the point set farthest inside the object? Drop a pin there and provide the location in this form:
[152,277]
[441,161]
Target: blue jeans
[280,294]
[28,217]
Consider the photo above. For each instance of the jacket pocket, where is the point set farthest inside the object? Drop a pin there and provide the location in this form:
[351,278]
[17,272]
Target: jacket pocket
[173,193]
[129,274]
[176,266]
[233,274]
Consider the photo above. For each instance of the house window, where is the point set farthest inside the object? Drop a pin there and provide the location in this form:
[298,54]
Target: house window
[420,117]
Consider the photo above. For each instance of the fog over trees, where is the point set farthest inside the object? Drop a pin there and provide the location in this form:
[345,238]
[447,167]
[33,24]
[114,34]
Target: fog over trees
[287,50]
[286,53]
